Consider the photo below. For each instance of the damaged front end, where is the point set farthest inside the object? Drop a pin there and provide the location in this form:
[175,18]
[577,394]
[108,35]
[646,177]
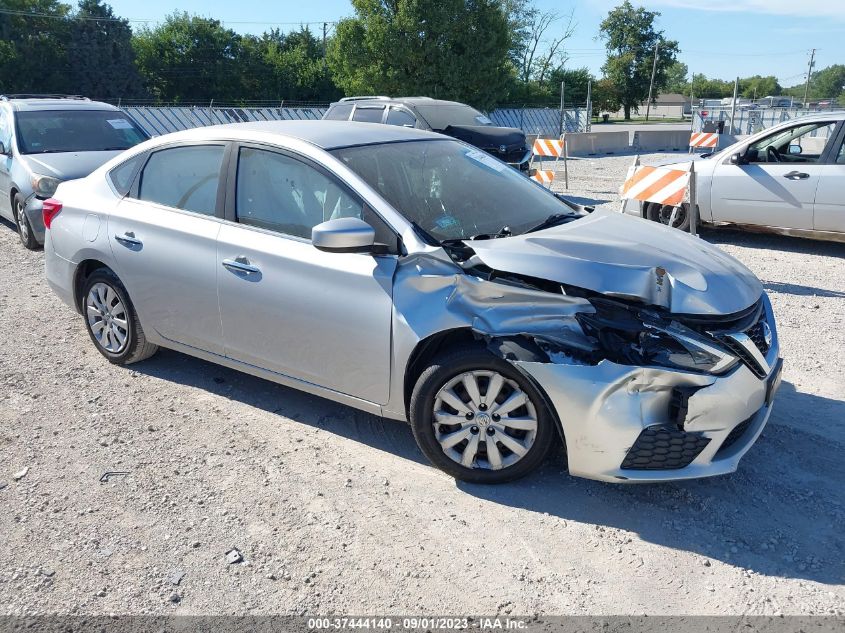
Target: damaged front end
[641,393]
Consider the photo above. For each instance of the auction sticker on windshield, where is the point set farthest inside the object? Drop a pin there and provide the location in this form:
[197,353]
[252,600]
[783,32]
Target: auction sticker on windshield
[120,124]
[486,160]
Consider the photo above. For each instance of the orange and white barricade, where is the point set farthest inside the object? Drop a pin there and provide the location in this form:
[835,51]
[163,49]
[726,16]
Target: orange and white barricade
[668,185]
[543,176]
[706,140]
[549,148]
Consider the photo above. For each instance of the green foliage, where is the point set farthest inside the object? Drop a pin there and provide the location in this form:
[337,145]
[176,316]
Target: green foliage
[100,55]
[630,38]
[757,87]
[448,49]
[676,78]
[828,83]
[33,57]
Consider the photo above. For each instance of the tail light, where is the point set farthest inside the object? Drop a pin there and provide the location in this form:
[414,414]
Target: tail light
[50,208]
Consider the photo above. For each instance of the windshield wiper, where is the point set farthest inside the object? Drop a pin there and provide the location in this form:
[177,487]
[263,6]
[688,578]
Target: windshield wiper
[553,220]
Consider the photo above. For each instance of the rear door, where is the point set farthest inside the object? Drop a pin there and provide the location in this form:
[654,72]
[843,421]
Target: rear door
[829,213]
[777,187]
[164,239]
[6,164]
[324,318]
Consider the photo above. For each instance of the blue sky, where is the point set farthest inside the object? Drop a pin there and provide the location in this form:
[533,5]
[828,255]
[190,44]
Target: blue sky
[720,38]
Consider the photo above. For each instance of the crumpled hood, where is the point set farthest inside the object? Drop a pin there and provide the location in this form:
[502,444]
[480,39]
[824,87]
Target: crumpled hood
[485,136]
[623,256]
[67,165]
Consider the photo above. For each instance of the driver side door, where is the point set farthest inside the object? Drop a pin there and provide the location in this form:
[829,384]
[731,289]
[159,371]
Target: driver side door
[775,187]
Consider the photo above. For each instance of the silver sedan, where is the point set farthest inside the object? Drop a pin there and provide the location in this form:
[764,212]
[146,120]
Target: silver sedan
[413,276]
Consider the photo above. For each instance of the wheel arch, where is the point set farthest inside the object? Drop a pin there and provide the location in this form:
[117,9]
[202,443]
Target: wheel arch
[84,270]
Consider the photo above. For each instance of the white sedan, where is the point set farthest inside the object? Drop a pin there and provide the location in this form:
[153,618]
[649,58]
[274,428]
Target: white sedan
[789,178]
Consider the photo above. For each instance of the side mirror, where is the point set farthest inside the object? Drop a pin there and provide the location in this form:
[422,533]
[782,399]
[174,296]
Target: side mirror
[794,150]
[344,235]
[3,150]
[738,159]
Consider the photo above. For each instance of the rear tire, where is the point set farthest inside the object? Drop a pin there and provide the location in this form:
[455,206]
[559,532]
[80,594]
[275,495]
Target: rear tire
[498,442]
[111,320]
[23,225]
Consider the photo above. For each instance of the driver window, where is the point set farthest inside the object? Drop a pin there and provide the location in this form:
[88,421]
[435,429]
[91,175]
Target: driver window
[797,144]
[183,177]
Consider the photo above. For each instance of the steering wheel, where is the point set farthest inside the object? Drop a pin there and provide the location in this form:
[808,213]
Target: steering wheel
[772,154]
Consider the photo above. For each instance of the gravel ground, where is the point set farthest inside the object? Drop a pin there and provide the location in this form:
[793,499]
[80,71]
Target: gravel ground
[335,511]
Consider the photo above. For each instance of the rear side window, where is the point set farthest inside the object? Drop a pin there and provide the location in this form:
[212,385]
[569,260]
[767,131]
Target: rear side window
[368,115]
[121,177]
[183,177]
[399,117]
[339,112]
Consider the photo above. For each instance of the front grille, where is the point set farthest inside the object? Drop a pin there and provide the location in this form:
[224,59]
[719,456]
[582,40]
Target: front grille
[756,334]
[745,357]
[662,448]
[735,434]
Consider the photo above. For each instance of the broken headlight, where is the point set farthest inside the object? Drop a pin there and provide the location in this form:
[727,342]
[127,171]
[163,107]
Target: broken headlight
[632,336]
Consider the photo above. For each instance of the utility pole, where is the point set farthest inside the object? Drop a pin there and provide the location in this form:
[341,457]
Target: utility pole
[809,74]
[651,85]
[325,26]
[589,105]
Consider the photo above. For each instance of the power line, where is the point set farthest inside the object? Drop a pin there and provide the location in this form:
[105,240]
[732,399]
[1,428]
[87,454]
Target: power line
[88,18]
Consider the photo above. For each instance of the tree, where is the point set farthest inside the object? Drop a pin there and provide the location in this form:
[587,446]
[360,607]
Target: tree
[33,36]
[99,49]
[676,78]
[189,58]
[828,82]
[630,39]
[449,49]
[575,81]
[757,87]
[605,97]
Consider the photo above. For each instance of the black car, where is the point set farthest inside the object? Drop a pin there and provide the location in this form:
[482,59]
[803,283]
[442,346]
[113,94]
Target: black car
[447,117]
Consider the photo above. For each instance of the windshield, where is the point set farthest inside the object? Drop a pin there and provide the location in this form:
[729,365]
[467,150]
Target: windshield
[451,190]
[52,131]
[440,117]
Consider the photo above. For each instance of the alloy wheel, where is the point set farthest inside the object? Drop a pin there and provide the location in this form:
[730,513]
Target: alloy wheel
[23,224]
[107,318]
[484,420]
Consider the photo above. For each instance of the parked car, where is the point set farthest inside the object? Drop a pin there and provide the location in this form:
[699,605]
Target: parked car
[447,117]
[416,277]
[45,139]
[787,179]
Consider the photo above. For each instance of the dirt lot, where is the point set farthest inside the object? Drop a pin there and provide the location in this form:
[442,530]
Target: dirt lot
[335,511]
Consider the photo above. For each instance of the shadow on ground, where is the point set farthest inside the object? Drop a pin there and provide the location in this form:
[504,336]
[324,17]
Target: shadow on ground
[770,241]
[780,515]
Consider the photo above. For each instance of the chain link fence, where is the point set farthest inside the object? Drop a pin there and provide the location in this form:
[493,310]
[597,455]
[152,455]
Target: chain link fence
[746,120]
[158,120]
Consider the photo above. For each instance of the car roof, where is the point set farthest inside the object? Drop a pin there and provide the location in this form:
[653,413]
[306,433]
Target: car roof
[324,134]
[413,101]
[29,104]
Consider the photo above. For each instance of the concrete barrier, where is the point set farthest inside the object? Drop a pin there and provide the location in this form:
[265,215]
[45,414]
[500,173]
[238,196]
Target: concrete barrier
[661,140]
[592,143]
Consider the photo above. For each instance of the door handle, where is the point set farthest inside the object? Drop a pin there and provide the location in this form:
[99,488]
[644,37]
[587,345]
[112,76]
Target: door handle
[241,265]
[128,239]
[796,175]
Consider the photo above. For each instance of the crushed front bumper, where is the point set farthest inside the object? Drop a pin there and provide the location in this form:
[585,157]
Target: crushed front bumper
[33,210]
[648,424]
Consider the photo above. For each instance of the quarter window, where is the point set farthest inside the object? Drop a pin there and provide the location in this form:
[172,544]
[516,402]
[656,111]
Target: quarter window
[399,117]
[368,114]
[183,177]
[121,177]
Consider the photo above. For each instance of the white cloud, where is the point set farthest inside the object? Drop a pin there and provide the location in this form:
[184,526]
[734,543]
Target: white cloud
[805,8]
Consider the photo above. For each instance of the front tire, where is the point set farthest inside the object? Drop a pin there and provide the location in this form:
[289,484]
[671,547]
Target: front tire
[111,320]
[476,417]
[24,227]
[662,213]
